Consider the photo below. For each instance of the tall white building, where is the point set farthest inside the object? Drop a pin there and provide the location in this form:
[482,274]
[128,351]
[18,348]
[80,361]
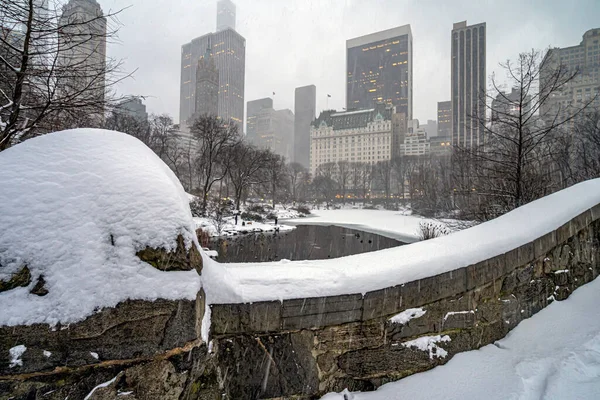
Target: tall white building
[361,136]
[416,142]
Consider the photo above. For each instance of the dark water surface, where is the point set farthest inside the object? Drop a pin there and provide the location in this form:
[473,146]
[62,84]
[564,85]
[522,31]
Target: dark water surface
[306,242]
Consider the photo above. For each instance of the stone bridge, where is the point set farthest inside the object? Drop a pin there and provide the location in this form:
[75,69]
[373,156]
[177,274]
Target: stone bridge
[300,348]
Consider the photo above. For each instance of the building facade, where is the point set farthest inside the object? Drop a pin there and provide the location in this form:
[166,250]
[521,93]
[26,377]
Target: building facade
[468,83]
[440,146]
[269,128]
[305,108]
[416,142]
[444,118]
[133,107]
[207,87]
[82,50]
[225,15]
[228,52]
[507,106]
[355,136]
[379,70]
[585,87]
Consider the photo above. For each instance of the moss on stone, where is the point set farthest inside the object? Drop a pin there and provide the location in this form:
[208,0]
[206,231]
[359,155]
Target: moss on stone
[21,278]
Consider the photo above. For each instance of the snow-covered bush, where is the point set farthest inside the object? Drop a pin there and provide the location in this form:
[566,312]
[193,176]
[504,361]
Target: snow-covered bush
[431,230]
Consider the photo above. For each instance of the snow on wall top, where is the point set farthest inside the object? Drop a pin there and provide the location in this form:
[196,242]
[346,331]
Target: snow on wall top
[367,272]
[62,197]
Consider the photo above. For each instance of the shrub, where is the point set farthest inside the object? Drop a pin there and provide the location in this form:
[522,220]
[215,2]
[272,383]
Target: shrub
[302,209]
[430,230]
[256,208]
[252,216]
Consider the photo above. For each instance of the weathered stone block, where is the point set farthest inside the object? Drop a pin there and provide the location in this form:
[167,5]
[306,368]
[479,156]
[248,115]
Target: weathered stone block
[313,321]
[512,260]
[542,245]
[250,317]
[525,254]
[449,284]
[479,274]
[595,212]
[411,294]
[321,305]
[563,233]
[581,221]
[264,367]
[381,303]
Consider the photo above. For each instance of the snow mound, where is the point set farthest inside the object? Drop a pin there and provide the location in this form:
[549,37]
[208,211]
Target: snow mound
[75,207]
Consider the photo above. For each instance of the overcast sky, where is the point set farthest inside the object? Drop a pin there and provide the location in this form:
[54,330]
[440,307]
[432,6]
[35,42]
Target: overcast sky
[291,43]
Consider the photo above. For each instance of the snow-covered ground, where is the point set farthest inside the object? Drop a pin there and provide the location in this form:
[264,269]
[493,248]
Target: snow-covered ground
[554,355]
[230,228]
[75,207]
[395,224]
[365,272]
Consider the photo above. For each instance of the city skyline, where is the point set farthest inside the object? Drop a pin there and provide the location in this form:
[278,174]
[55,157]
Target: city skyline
[296,31]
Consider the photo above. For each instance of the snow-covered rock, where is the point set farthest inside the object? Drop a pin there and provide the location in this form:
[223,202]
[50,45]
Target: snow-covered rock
[75,208]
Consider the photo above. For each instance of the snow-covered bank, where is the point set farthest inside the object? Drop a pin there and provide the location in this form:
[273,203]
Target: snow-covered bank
[554,355]
[75,207]
[372,271]
[230,228]
[394,224]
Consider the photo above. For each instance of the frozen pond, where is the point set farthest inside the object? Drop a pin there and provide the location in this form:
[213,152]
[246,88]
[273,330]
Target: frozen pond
[306,242]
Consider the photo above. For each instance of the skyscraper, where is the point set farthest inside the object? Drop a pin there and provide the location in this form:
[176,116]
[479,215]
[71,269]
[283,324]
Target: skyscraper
[225,15]
[207,86]
[468,79]
[379,70]
[228,51]
[269,128]
[305,107]
[444,117]
[82,49]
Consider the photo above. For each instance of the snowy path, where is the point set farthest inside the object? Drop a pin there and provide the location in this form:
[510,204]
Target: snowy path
[553,355]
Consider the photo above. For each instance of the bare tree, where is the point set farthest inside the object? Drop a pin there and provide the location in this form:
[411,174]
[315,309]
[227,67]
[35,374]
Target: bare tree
[275,169]
[53,69]
[215,140]
[298,176]
[512,167]
[383,172]
[246,168]
[344,172]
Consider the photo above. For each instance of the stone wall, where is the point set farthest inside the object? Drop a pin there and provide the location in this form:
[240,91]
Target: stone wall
[299,348]
[308,347]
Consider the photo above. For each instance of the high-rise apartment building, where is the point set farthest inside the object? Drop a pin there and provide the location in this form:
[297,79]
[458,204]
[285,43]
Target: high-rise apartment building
[256,108]
[379,70]
[585,87]
[269,128]
[82,50]
[444,118]
[225,15]
[468,80]
[228,51]
[133,107]
[305,107]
